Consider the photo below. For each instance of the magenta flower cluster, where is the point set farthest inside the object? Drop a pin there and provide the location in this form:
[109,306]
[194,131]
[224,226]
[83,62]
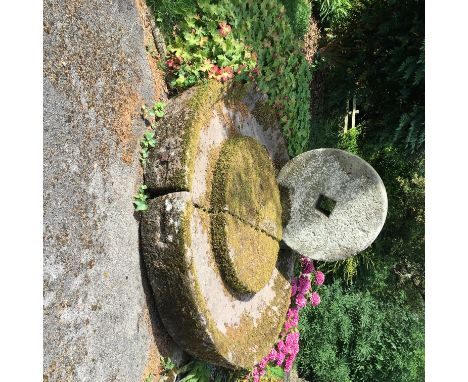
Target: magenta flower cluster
[285,351]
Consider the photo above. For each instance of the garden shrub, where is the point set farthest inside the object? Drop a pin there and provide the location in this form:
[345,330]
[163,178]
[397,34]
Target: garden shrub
[348,140]
[400,246]
[299,13]
[333,12]
[354,337]
[376,52]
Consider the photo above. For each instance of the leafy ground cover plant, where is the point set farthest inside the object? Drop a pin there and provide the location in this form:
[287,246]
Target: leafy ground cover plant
[150,115]
[282,70]
[225,40]
[204,47]
[146,143]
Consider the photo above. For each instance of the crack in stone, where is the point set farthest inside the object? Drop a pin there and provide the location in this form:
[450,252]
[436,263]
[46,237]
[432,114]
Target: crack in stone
[213,211]
[162,192]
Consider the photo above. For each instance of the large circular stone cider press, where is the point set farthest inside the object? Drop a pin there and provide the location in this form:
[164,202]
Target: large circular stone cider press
[211,236]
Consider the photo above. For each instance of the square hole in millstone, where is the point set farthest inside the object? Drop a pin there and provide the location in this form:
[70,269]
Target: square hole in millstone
[325,205]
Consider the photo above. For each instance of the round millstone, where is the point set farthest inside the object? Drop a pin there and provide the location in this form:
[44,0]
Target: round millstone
[198,309]
[222,287]
[336,204]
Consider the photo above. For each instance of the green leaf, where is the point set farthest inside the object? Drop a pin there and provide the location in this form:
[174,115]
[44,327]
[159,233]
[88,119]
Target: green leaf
[275,371]
[149,134]
[140,205]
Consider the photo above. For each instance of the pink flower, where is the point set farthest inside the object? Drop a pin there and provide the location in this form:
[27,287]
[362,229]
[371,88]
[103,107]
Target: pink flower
[301,301]
[315,299]
[280,359]
[319,278]
[292,342]
[273,355]
[304,285]
[293,314]
[294,287]
[281,346]
[263,363]
[307,265]
[288,364]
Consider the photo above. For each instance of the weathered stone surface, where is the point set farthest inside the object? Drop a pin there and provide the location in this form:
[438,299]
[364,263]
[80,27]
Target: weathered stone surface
[192,132]
[315,181]
[170,165]
[99,320]
[198,309]
[244,185]
[252,117]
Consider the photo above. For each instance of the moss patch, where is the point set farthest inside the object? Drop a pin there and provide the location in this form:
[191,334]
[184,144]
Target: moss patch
[246,256]
[264,115]
[244,184]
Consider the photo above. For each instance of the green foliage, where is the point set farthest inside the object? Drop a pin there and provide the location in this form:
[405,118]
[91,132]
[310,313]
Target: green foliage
[283,72]
[150,114]
[170,12]
[198,50]
[377,53]
[149,378]
[204,46]
[399,249]
[158,109]
[333,11]
[167,364]
[141,198]
[196,371]
[370,324]
[146,143]
[298,12]
[348,140]
[348,269]
[351,336]
[273,373]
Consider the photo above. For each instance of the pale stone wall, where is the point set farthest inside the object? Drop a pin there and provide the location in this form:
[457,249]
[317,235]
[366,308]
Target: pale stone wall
[99,320]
